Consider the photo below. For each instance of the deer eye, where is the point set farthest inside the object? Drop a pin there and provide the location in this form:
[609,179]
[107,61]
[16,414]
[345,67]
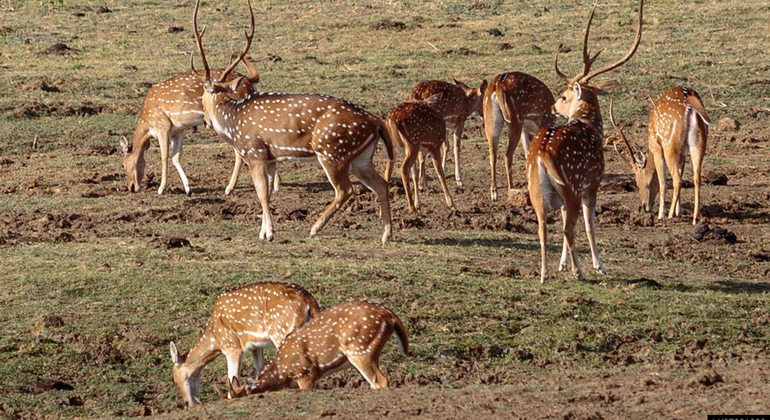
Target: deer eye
[563,98]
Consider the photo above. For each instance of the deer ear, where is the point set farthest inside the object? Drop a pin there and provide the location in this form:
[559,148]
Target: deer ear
[483,87]
[124,144]
[433,99]
[604,88]
[233,85]
[174,354]
[577,89]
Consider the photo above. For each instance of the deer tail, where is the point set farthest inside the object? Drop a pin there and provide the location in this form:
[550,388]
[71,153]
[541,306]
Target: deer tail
[694,102]
[403,341]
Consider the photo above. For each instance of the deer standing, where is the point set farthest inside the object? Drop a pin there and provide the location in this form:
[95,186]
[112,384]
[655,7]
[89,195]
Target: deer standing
[267,127]
[525,103]
[678,127]
[458,101]
[169,109]
[349,334]
[247,318]
[416,127]
[566,163]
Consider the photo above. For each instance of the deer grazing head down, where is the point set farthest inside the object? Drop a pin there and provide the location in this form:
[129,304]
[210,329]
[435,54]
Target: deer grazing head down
[580,100]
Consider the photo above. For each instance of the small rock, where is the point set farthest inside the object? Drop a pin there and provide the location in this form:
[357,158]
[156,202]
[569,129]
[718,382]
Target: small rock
[78,14]
[505,46]
[537,49]
[47,385]
[728,124]
[494,32]
[103,9]
[705,377]
[176,243]
[175,29]
[388,24]
[564,49]
[715,178]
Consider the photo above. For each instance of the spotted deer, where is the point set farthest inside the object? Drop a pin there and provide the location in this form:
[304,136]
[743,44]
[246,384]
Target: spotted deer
[268,127]
[351,334]
[169,109]
[566,163]
[416,127]
[678,127]
[522,101]
[458,102]
[247,318]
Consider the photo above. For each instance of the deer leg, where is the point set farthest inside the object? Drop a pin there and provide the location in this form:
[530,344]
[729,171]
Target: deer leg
[526,139]
[444,152]
[697,161]
[680,168]
[421,176]
[458,135]
[676,179]
[273,179]
[415,182]
[660,168]
[233,357]
[261,184]
[589,217]
[406,168]
[569,235]
[442,180]
[493,125]
[176,159]
[163,141]
[306,382]
[340,180]
[514,133]
[236,171]
[259,360]
[364,170]
[368,367]
[564,251]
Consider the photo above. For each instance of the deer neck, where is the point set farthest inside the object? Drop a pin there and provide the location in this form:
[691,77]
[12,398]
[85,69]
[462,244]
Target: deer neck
[220,113]
[203,352]
[588,113]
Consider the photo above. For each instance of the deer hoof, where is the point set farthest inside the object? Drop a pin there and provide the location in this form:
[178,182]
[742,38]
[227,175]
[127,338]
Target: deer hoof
[494,195]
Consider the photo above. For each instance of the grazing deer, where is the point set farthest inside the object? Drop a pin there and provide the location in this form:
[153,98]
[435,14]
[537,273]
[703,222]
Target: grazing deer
[267,127]
[566,163]
[349,334]
[678,127]
[246,318]
[416,127]
[458,102]
[525,103]
[169,108]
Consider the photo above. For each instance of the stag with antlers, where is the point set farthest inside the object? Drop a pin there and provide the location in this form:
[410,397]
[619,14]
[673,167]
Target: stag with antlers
[169,109]
[678,127]
[267,127]
[566,163]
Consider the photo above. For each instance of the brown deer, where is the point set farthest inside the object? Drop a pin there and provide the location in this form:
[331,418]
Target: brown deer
[678,127]
[525,103]
[566,163]
[351,334]
[415,127]
[269,127]
[458,102]
[247,318]
[169,109]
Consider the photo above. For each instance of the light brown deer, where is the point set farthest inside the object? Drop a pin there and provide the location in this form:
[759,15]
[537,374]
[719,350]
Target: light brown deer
[458,102]
[416,127]
[525,103]
[566,163]
[169,109]
[269,127]
[678,127]
[351,334]
[247,318]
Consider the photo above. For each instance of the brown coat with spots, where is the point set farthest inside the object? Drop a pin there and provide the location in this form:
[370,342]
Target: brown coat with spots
[525,103]
[458,101]
[247,318]
[416,127]
[349,334]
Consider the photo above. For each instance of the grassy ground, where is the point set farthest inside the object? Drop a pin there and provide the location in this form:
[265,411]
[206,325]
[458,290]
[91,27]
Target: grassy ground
[91,293]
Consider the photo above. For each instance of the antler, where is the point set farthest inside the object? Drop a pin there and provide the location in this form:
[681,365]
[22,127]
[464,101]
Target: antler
[249,37]
[640,159]
[198,36]
[253,71]
[628,55]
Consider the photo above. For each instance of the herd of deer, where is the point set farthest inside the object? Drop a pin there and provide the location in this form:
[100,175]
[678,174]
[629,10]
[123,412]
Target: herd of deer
[564,168]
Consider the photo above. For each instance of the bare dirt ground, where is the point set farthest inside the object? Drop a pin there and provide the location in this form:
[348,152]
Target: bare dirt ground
[95,281]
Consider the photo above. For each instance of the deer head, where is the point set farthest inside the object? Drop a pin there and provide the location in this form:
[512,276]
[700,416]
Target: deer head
[644,172]
[474,96]
[186,378]
[133,164]
[579,91]
[217,90]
